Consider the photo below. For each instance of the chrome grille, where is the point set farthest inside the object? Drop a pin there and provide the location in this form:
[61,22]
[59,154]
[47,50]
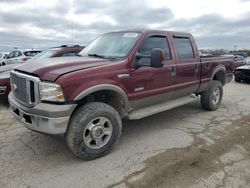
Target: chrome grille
[25,88]
[19,88]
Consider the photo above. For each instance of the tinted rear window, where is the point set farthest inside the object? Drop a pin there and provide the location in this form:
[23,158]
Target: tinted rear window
[31,53]
[184,47]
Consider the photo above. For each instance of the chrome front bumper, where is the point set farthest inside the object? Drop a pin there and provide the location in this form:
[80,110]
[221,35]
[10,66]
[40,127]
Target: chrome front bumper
[50,124]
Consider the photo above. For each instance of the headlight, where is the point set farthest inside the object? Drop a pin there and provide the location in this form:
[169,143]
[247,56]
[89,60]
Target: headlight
[5,74]
[51,92]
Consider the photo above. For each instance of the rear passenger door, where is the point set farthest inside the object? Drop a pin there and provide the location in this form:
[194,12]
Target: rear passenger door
[187,66]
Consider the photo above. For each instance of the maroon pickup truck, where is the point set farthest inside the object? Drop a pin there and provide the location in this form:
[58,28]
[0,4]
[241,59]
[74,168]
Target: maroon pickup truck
[127,74]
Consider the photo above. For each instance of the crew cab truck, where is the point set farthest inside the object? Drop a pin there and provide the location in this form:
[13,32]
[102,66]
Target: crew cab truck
[126,74]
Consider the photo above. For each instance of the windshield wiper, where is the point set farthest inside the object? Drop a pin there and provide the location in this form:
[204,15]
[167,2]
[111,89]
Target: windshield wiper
[103,56]
[96,55]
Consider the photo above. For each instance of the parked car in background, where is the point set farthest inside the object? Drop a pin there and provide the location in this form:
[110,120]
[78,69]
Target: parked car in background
[3,56]
[247,60]
[20,56]
[239,57]
[61,51]
[242,73]
[239,60]
[244,54]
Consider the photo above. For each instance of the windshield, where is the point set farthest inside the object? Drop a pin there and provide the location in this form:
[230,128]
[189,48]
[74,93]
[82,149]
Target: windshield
[45,54]
[111,45]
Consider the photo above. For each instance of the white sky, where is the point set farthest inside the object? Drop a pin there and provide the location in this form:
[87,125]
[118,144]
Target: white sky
[195,8]
[92,23]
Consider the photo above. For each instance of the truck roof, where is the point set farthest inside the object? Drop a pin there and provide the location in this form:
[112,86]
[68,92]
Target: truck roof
[154,31]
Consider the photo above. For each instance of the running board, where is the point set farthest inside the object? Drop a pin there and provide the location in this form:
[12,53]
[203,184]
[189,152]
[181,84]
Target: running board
[154,109]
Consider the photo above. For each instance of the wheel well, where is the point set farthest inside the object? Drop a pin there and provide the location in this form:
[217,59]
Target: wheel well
[109,97]
[220,76]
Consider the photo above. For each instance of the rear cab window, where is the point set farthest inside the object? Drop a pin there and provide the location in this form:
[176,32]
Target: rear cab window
[184,47]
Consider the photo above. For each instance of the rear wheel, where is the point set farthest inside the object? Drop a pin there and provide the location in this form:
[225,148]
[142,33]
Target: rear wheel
[211,98]
[93,130]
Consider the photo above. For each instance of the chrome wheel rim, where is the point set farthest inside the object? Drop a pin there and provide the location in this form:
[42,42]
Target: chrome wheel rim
[216,96]
[97,133]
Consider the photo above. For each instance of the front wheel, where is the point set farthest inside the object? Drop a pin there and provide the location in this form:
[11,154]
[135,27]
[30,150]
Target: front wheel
[93,130]
[211,98]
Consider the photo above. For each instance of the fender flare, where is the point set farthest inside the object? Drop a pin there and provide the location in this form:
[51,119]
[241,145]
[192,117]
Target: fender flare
[220,68]
[109,87]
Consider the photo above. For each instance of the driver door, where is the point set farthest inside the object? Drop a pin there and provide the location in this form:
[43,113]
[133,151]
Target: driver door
[152,85]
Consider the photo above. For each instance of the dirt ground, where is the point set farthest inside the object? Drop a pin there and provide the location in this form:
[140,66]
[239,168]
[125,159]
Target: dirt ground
[183,147]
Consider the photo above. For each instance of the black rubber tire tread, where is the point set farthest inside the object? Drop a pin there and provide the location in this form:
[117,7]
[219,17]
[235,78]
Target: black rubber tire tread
[206,96]
[79,120]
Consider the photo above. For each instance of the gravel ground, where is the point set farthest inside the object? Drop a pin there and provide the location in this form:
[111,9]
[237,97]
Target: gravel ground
[183,147]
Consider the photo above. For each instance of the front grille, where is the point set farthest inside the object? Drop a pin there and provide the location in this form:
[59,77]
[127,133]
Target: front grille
[246,72]
[19,88]
[25,88]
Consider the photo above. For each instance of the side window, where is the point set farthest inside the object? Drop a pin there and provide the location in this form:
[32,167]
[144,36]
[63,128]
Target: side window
[155,42]
[17,54]
[11,55]
[183,47]
[69,54]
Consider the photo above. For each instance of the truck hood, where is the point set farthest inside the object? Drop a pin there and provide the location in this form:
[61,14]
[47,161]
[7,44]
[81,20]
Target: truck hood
[51,69]
[245,67]
[8,67]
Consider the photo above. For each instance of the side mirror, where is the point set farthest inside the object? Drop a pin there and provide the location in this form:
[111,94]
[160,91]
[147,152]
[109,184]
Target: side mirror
[142,61]
[235,58]
[157,56]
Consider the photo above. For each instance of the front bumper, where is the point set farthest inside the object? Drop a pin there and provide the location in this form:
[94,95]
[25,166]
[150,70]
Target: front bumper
[44,118]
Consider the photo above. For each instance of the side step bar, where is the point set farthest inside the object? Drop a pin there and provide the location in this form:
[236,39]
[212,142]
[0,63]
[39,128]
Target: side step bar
[154,109]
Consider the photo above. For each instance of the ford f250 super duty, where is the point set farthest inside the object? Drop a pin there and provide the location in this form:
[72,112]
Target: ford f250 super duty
[126,74]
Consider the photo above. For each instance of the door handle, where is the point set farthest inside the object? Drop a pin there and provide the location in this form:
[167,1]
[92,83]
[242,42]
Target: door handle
[173,71]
